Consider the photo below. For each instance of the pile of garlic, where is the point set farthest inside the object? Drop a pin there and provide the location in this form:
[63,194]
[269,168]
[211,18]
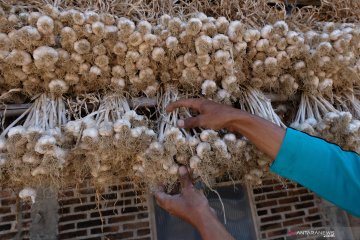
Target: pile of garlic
[204,55]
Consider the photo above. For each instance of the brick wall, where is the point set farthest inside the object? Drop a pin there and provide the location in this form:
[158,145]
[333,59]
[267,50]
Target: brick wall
[284,206]
[118,212]
[14,216]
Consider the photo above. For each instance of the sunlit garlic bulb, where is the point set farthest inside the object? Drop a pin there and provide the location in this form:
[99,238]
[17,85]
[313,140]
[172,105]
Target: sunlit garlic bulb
[19,57]
[144,27]
[58,87]
[91,17]
[45,57]
[235,31]
[193,26]
[45,25]
[82,46]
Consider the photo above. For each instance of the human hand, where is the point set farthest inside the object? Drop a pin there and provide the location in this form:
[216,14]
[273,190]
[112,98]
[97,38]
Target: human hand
[190,205]
[212,115]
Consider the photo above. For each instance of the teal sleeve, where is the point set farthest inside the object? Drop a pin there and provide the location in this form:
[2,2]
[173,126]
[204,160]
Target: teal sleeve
[323,167]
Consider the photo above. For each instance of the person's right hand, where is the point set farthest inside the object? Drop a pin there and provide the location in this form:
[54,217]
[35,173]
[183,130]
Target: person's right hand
[212,115]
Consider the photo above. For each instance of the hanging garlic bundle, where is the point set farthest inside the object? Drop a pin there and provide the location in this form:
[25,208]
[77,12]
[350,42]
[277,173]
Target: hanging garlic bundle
[162,158]
[38,142]
[338,127]
[114,132]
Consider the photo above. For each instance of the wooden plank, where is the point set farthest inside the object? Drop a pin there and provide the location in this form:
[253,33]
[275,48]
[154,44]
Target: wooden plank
[298,2]
[13,110]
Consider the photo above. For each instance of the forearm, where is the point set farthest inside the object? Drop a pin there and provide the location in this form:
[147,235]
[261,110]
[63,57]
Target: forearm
[267,136]
[210,228]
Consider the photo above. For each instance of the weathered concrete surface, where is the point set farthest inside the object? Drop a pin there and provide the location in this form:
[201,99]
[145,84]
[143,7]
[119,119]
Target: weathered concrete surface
[44,216]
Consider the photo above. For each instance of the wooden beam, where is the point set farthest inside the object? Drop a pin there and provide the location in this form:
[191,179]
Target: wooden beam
[298,2]
[13,110]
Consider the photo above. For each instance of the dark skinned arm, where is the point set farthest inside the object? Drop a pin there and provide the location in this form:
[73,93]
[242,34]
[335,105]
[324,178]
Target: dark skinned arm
[192,206]
[267,136]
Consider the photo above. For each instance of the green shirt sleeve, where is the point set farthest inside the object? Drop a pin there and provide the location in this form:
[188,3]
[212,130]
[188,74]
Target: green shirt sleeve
[323,167]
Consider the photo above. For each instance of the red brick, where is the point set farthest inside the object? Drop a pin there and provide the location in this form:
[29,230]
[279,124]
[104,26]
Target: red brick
[139,200]
[260,198]
[313,210]
[4,210]
[266,204]
[262,212]
[10,201]
[133,209]
[306,197]
[72,217]
[84,208]
[276,195]
[109,229]
[121,219]
[312,218]
[5,227]
[293,222]
[263,190]
[109,196]
[5,194]
[281,209]
[294,214]
[143,232]
[297,192]
[304,205]
[66,227]
[289,200]
[121,203]
[104,213]
[277,233]
[120,235]
[9,236]
[72,235]
[89,223]
[71,201]
[135,225]
[8,218]
[270,218]
[142,215]
[270,226]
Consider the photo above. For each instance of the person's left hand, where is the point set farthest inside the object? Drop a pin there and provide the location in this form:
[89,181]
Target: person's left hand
[190,205]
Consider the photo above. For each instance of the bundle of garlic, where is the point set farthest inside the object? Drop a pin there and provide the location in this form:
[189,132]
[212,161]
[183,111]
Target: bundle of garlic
[208,155]
[173,146]
[35,150]
[114,132]
[338,127]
